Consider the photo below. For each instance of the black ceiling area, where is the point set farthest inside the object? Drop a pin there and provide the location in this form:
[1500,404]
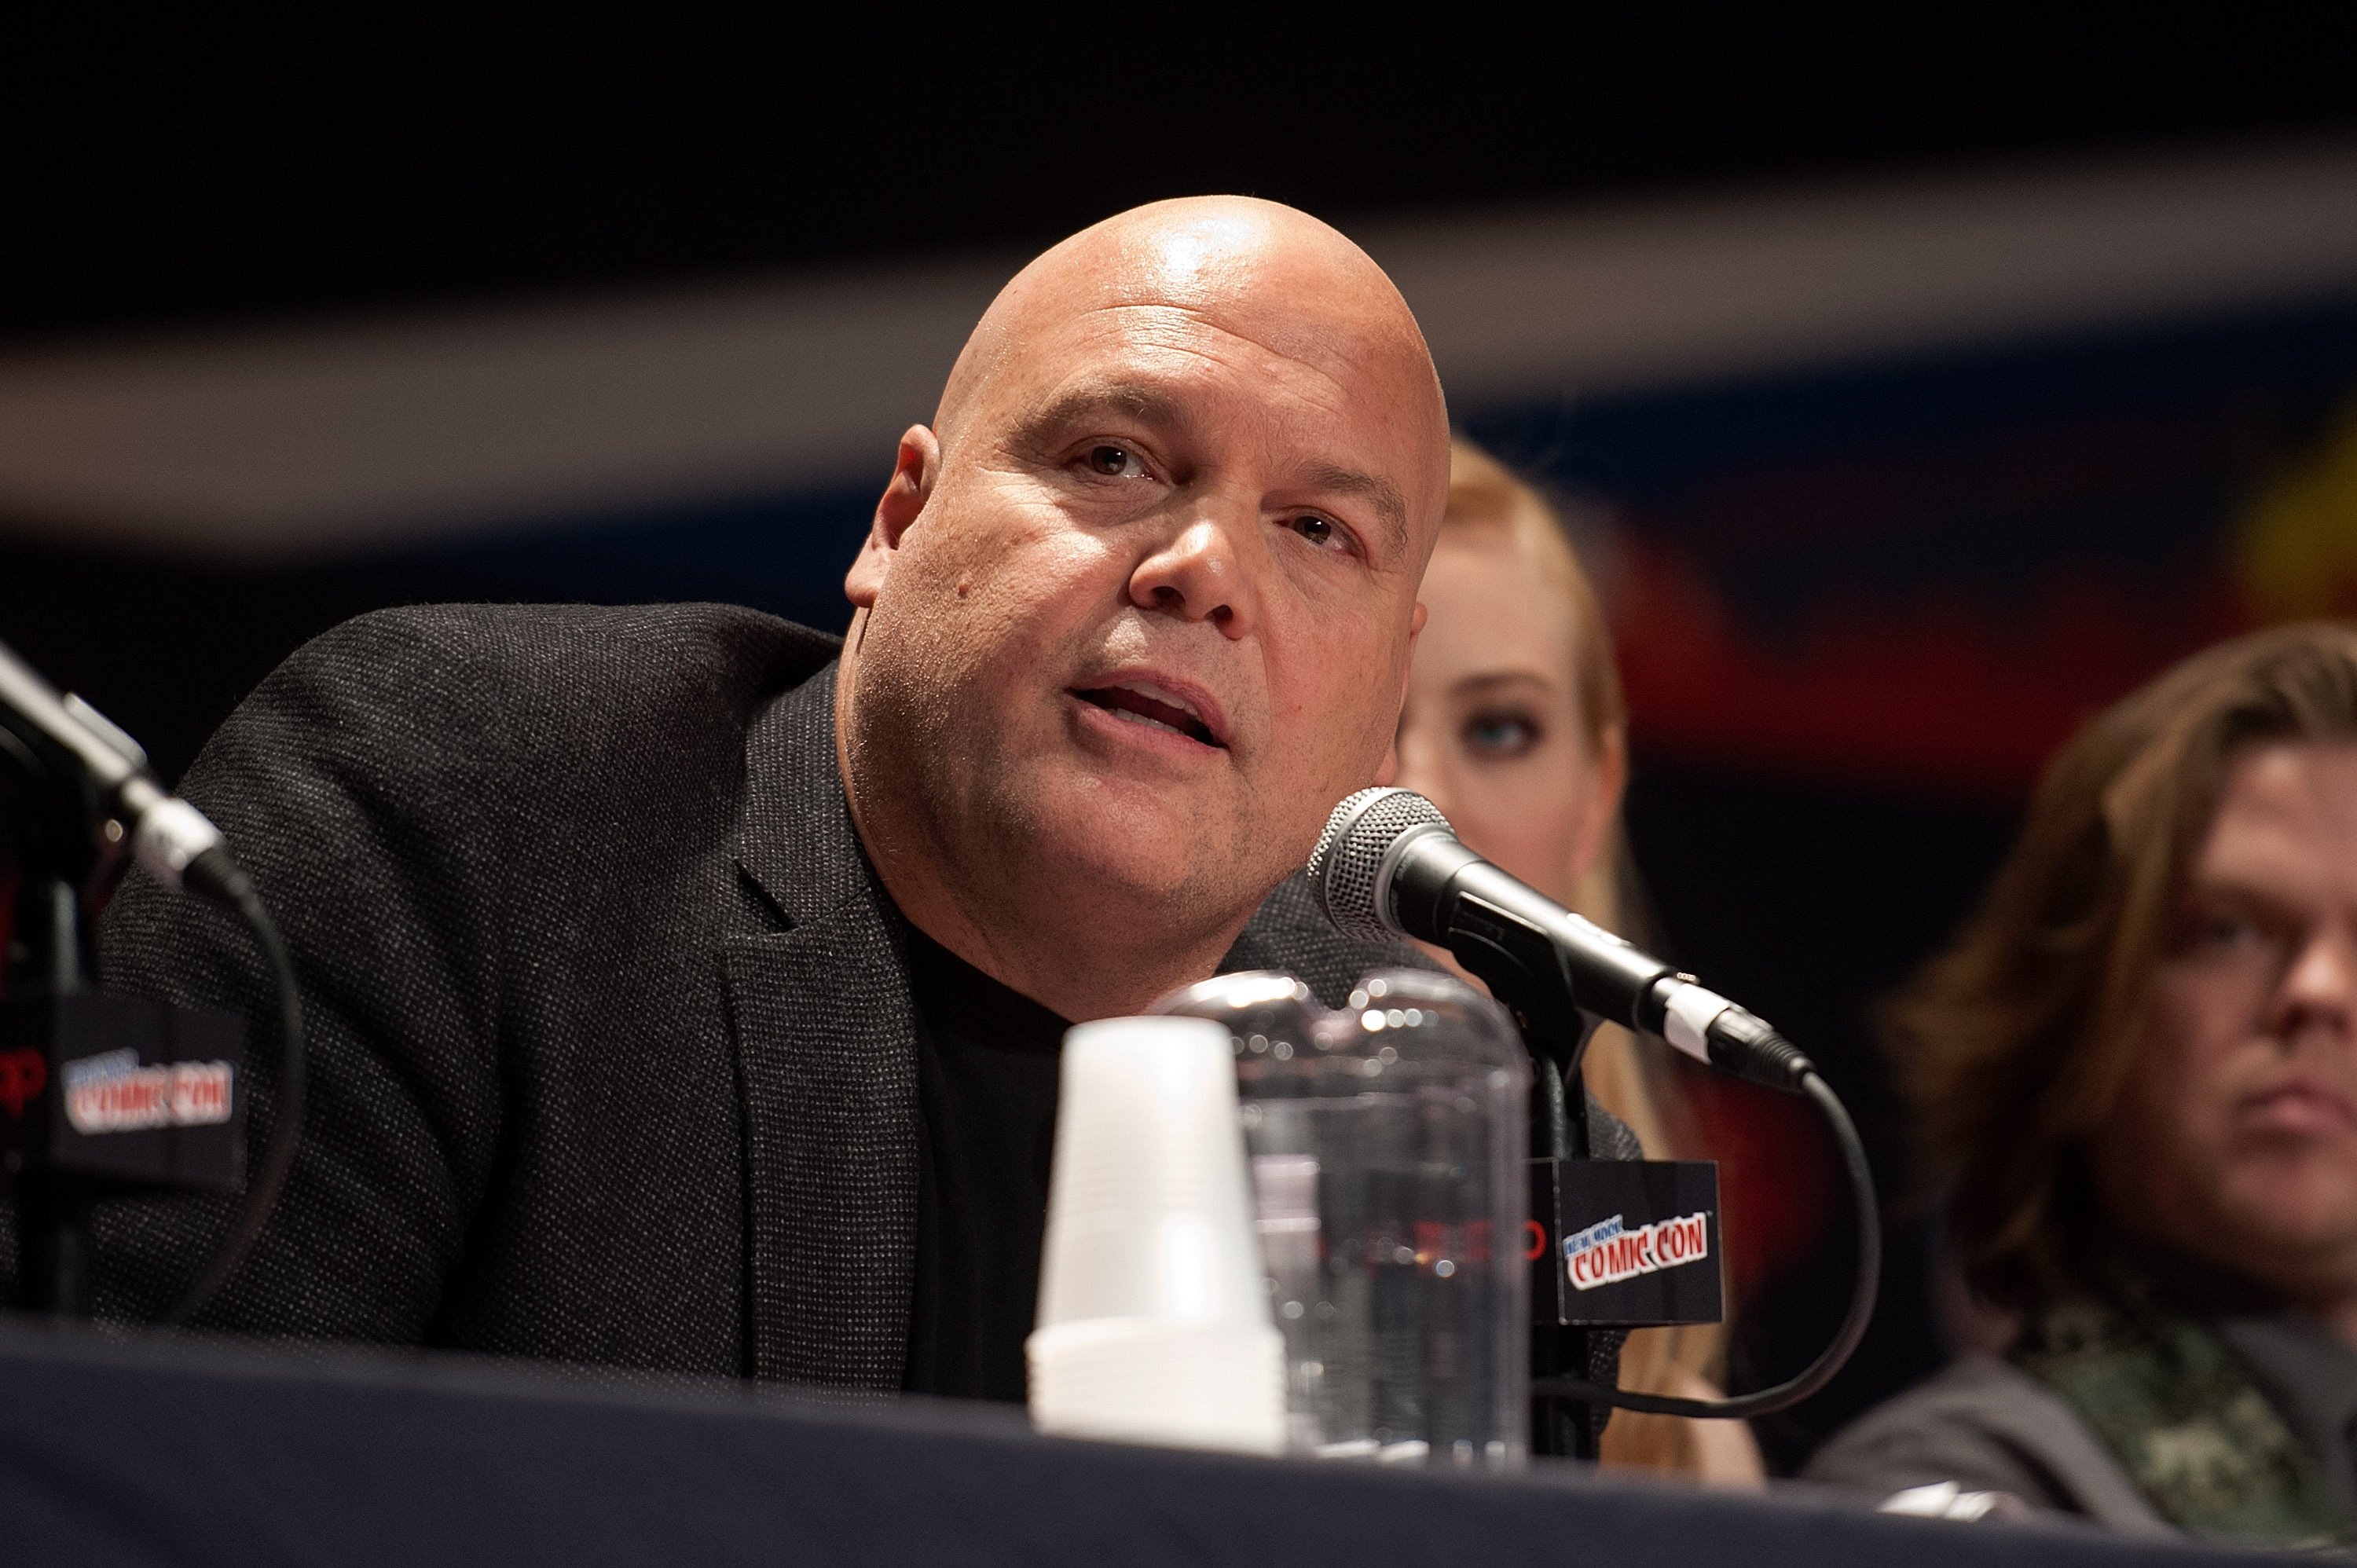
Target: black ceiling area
[174,168]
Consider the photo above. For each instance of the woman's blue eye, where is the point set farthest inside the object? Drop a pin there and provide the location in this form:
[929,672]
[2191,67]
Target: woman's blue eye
[1500,734]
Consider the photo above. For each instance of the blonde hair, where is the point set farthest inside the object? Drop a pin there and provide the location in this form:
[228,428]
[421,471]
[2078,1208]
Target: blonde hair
[1632,1083]
[2014,1045]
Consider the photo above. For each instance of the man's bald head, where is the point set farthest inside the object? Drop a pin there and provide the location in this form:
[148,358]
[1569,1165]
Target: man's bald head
[1137,609]
[1300,286]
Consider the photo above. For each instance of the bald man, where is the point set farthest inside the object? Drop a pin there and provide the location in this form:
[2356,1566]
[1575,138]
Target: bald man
[685,987]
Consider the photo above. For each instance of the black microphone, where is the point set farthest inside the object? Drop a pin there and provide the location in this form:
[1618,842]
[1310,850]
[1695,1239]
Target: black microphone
[171,838]
[1388,865]
[74,755]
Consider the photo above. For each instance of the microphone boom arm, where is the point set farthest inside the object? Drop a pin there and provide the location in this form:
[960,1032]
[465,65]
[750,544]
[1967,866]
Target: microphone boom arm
[1525,973]
[1389,864]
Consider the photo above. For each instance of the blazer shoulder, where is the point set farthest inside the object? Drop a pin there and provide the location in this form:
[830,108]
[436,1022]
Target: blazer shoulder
[591,651]
[494,679]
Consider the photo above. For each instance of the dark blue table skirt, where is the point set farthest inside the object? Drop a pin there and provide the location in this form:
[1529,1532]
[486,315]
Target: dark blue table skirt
[209,1453]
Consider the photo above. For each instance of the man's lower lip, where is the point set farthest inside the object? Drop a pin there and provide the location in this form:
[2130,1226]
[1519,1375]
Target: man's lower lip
[2300,1111]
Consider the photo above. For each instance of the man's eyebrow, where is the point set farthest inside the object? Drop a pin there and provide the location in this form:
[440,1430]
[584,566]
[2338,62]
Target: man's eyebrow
[1389,506]
[2232,887]
[1127,400]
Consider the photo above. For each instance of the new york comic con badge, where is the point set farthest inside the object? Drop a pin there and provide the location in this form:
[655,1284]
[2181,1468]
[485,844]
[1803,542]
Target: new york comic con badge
[1609,1250]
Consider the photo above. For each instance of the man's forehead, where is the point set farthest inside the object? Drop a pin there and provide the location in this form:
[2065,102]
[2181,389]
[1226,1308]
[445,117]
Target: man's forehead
[2286,812]
[1276,368]
[1369,359]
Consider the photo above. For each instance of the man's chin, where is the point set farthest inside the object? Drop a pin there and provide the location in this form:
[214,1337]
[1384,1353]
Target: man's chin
[2288,1223]
[1115,843]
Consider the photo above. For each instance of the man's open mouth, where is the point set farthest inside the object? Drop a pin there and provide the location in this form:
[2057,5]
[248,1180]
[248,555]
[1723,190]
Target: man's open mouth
[1143,706]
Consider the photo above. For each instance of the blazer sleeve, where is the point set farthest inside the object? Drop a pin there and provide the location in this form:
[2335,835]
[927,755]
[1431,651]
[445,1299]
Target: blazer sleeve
[360,786]
[1983,1426]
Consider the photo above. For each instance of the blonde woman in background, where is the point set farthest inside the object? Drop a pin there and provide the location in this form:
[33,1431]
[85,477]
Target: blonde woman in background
[1515,729]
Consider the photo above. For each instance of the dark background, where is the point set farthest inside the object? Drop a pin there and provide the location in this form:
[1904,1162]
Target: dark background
[161,171]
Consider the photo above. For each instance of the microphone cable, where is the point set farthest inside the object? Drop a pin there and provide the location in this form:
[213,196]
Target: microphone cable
[1864,1286]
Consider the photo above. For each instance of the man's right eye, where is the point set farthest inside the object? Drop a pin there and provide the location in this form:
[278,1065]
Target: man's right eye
[1115,462]
[2225,930]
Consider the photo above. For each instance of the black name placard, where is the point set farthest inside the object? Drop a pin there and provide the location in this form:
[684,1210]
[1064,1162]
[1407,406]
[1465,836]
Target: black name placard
[123,1089]
[1623,1243]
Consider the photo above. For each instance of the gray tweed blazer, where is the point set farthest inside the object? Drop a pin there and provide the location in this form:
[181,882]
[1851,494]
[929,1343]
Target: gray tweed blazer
[613,1057]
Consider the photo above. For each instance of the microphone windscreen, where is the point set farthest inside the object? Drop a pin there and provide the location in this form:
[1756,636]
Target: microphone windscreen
[1347,866]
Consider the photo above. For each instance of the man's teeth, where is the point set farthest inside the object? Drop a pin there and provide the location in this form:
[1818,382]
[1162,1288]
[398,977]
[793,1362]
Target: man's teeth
[1159,695]
[1133,717]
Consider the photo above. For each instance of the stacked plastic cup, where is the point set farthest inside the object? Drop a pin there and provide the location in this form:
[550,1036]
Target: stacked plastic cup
[1153,1324]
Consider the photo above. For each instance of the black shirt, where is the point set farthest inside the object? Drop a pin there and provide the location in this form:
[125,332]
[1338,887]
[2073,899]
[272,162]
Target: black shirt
[986,1063]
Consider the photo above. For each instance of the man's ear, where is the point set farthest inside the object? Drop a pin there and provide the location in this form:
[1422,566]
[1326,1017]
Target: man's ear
[914,473]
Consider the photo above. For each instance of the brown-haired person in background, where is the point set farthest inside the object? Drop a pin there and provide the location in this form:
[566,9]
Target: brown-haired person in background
[2138,1084]
[1514,728]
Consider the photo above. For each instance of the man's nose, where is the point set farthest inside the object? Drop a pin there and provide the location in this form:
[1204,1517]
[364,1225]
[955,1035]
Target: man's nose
[1202,572]
[2320,986]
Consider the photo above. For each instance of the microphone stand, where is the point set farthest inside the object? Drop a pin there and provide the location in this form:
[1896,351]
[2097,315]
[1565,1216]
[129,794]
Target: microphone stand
[47,957]
[53,1207]
[1526,976]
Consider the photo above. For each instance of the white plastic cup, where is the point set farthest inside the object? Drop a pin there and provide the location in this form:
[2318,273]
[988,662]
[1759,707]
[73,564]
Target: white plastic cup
[1153,1324]
[1160,1381]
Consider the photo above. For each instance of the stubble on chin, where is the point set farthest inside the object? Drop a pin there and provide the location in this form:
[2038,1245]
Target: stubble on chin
[1020,831]
[2288,1231]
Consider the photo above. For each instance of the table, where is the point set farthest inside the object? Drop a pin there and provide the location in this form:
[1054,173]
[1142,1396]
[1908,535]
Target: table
[192,1452]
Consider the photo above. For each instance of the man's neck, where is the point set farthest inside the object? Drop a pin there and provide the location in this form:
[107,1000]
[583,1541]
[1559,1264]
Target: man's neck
[1073,955]
[1069,973]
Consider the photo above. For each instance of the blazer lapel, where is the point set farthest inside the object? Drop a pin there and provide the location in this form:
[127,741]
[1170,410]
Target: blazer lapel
[826,1046]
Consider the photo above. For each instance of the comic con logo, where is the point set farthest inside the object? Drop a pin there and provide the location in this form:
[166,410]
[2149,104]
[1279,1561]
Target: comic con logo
[113,1093]
[1609,1250]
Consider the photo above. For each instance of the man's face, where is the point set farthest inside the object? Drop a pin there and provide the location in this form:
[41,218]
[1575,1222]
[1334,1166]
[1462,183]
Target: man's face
[2237,1139]
[1154,615]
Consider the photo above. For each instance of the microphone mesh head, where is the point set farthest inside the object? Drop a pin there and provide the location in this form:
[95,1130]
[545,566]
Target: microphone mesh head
[1348,859]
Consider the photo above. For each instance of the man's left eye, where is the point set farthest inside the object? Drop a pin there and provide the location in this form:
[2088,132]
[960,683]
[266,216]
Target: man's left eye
[1318,530]
[1115,462]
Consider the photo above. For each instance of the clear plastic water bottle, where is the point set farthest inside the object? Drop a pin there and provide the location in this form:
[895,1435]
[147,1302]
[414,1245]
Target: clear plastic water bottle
[1388,1149]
